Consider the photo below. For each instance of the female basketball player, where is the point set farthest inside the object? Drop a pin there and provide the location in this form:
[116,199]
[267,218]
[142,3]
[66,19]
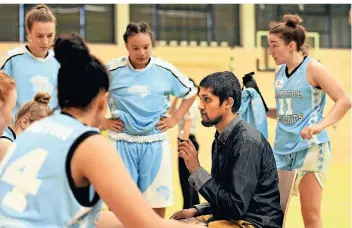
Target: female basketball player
[8,96]
[56,171]
[301,85]
[31,111]
[138,101]
[33,66]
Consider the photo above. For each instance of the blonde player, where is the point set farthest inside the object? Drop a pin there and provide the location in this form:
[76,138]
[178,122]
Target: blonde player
[33,66]
[31,111]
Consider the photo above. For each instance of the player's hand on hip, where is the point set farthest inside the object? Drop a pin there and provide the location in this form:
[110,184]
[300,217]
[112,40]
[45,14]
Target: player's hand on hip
[166,123]
[184,214]
[309,131]
[114,124]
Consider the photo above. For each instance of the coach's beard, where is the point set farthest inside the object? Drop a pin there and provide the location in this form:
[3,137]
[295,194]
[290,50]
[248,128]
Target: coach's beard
[210,123]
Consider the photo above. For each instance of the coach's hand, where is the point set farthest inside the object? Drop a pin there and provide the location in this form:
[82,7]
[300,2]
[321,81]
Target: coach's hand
[188,152]
[166,123]
[113,124]
[184,214]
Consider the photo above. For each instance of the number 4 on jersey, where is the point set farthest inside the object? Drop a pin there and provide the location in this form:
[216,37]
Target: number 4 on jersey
[22,175]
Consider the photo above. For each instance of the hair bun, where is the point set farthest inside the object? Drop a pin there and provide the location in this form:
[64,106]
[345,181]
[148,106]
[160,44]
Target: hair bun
[43,98]
[292,20]
[41,6]
[132,27]
[291,24]
[144,27]
[71,50]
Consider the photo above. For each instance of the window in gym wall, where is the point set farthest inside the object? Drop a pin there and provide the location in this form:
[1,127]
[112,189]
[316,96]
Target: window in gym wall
[226,25]
[93,22]
[340,27]
[67,16]
[329,20]
[190,22]
[142,12]
[183,22]
[265,14]
[100,23]
[9,22]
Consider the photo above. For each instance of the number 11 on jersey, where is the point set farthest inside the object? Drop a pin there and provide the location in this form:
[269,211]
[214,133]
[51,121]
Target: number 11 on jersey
[288,110]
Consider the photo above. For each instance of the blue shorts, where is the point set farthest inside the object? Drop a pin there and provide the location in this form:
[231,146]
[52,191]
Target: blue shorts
[148,160]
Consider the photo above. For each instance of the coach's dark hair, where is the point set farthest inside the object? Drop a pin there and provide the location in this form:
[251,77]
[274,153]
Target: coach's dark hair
[135,28]
[81,75]
[224,85]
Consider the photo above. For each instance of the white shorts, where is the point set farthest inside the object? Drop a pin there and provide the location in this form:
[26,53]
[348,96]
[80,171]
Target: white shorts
[315,159]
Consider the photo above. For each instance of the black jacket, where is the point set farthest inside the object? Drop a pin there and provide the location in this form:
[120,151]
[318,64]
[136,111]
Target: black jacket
[244,182]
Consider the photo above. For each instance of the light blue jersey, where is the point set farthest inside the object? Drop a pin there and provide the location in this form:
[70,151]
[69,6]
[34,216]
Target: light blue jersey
[141,97]
[31,74]
[298,105]
[9,134]
[36,188]
[253,111]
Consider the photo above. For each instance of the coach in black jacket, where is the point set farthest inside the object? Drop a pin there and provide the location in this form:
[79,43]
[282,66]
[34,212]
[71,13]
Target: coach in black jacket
[243,184]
